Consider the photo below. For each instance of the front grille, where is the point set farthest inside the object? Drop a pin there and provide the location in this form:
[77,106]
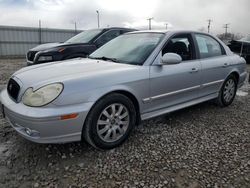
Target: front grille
[13,89]
[31,55]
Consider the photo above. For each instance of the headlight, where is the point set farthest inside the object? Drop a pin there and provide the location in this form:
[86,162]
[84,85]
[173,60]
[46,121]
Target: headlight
[43,95]
[45,58]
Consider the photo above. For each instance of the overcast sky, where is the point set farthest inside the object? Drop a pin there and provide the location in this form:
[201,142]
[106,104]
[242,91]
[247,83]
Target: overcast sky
[179,14]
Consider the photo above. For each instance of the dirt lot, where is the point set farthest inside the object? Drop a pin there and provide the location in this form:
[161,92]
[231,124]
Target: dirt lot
[201,146]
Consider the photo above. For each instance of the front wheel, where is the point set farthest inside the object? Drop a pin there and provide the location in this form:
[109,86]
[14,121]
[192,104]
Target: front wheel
[228,91]
[110,121]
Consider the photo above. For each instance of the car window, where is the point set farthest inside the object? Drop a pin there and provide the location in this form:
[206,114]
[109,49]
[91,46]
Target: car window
[208,47]
[181,45]
[85,36]
[107,37]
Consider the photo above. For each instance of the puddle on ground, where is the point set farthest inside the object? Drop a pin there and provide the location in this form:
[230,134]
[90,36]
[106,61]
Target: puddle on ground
[241,93]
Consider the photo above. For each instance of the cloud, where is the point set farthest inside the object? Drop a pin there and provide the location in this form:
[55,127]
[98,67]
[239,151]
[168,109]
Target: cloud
[179,14]
[193,14]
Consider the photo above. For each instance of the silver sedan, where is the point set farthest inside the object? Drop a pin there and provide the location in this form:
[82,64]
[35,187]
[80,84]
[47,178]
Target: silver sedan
[134,77]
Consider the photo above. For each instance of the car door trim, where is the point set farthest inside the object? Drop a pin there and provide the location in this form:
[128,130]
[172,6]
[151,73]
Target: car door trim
[212,83]
[170,93]
[146,100]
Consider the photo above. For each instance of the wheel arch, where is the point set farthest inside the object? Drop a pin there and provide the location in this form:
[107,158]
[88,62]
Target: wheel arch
[128,94]
[134,101]
[236,74]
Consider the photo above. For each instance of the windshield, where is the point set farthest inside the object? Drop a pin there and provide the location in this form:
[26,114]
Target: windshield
[129,48]
[85,36]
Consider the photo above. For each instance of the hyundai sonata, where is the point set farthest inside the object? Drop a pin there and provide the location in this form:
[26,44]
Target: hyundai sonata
[134,77]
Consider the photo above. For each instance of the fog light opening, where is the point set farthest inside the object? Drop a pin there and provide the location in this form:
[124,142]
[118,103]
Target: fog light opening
[28,131]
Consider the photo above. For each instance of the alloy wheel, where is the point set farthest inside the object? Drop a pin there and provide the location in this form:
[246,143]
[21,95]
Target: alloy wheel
[229,90]
[113,122]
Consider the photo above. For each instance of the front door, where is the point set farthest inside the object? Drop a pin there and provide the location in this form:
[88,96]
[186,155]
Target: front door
[177,83]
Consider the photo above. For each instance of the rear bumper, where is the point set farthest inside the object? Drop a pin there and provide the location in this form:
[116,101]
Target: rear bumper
[44,125]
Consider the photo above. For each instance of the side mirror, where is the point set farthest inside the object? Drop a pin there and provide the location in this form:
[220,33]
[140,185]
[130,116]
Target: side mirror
[171,58]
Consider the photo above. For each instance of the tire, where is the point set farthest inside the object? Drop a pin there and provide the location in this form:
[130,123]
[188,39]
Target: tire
[110,121]
[227,92]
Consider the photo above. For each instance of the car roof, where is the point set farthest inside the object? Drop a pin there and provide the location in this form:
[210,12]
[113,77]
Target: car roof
[169,31]
[109,28]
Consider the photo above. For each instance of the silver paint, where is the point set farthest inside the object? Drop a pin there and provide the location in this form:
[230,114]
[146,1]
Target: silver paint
[85,81]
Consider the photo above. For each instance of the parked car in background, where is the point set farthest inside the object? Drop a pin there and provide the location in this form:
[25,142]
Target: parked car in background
[241,47]
[136,76]
[80,45]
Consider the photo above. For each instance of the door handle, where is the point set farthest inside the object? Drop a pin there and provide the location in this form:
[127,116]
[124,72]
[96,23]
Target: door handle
[225,64]
[194,70]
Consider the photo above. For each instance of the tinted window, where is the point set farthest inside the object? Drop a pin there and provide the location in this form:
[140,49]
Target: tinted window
[85,36]
[208,47]
[107,37]
[129,48]
[180,45]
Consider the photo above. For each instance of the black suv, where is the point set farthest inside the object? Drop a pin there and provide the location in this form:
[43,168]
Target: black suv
[241,47]
[80,45]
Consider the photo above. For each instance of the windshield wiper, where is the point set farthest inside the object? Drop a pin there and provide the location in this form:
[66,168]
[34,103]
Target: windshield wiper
[104,58]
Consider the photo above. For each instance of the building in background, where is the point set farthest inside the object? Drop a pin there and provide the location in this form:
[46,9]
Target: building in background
[16,41]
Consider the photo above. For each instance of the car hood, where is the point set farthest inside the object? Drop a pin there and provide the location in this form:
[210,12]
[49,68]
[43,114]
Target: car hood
[46,46]
[39,75]
[49,46]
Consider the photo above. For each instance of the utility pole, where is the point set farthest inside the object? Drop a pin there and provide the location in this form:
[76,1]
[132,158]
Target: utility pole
[40,32]
[75,28]
[149,23]
[166,24]
[98,19]
[209,25]
[226,26]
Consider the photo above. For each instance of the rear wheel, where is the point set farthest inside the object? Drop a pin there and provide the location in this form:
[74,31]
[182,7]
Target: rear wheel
[228,91]
[110,121]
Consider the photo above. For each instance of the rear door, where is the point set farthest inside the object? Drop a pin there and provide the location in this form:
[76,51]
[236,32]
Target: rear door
[214,62]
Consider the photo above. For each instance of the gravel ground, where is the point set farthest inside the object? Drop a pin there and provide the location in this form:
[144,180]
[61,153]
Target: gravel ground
[200,146]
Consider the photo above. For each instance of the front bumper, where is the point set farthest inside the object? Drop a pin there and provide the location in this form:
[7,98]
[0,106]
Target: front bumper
[44,124]
[56,56]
